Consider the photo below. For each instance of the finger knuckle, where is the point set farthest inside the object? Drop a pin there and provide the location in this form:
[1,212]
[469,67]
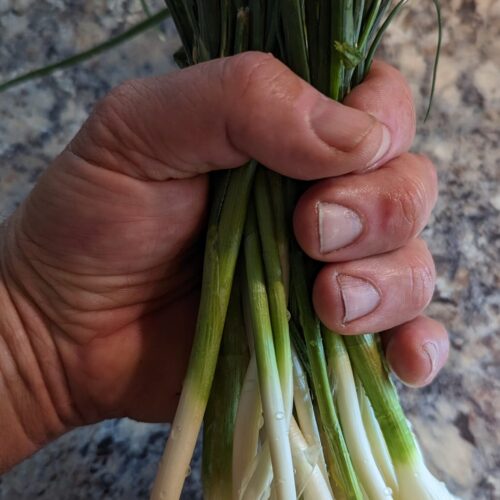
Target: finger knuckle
[422,279]
[110,133]
[253,83]
[255,80]
[411,206]
[121,104]
[244,72]
[410,110]
[432,175]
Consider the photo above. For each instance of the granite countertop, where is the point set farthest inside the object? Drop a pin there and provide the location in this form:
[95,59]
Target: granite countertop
[458,417]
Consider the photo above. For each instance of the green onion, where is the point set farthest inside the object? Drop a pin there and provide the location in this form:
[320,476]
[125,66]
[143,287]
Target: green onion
[312,484]
[139,28]
[321,419]
[275,289]
[246,432]
[269,382]
[346,397]
[224,235]
[305,412]
[414,479]
[220,416]
[376,438]
[343,477]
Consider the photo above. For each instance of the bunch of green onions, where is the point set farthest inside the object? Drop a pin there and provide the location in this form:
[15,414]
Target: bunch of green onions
[290,409]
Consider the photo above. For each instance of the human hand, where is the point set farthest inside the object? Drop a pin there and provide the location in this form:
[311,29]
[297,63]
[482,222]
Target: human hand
[103,261]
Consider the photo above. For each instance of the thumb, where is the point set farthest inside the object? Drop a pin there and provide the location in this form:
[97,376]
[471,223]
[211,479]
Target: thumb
[220,114]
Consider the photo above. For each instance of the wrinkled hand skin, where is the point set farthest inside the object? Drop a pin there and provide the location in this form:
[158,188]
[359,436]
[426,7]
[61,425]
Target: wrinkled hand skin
[101,265]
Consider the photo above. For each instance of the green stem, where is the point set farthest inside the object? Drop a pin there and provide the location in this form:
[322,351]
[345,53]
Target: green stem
[342,32]
[377,441]
[311,483]
[343,478]
[276,424]
[276,189]
[246,431]
[305,412]
[346,399]
[275,289]
[88,54]
[295,40]
[369,367]
[220,416]
[279,321]
[224,235]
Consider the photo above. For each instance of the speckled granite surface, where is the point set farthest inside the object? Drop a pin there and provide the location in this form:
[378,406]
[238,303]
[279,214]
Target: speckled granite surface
[458,418]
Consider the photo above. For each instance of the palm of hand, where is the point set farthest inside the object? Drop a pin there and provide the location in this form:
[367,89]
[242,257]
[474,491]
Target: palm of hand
[119,262]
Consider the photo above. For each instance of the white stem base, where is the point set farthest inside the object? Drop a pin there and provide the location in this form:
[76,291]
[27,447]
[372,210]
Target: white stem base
[174,465]
[417,483]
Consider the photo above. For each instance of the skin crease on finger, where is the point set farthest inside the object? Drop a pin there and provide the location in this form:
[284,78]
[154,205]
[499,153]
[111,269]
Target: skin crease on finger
[375,293]
[416,350]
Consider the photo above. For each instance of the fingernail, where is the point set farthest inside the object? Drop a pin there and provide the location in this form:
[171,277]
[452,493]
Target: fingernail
[388,358]
[431,351]
[340,126]
[385,143]
[338,226]
[404,382]
[345,128]
[359,297]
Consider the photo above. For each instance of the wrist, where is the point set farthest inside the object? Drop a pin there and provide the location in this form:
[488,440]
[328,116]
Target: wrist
[36,404]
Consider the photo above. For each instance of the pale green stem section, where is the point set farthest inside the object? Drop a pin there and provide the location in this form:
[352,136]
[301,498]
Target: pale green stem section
[275,289]
[345,484]
[246,430]
[222,247]
[346,397]
[269,382]
[262,477]
[311,483]
[367,362]
[276,188]
[220,416]
[310,480]
[273,495]
[415,482]
[376,438]
[305,411]
[261,481]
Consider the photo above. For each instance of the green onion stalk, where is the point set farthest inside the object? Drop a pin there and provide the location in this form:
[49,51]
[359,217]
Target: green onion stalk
[152,21]
[344,390]
[224,402]
[414,480]
[269,381]
[225,230]
[376,438]
[306,413]
[247,427]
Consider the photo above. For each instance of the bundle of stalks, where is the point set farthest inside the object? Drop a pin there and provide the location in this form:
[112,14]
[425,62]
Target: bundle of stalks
[291,409]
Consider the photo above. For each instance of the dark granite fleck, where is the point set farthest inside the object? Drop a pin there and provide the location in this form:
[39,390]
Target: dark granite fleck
[462,423]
